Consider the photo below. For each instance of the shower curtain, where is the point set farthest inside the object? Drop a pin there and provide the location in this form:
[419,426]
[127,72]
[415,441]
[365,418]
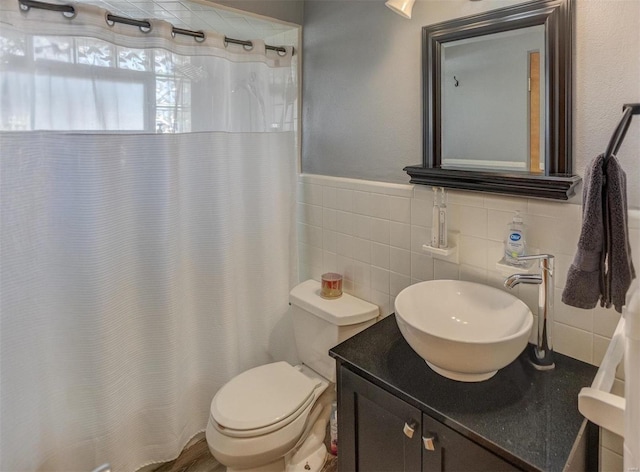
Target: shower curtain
[147,234]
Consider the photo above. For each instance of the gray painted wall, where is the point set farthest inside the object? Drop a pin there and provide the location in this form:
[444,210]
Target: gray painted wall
[285,10]
[362,84]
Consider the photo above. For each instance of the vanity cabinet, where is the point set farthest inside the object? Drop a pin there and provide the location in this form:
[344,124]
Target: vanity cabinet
[453,452]
[521,418]
[378,431]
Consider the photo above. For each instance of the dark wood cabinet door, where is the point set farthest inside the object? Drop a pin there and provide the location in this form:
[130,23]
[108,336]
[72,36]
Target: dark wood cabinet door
[377,432]
[445,450]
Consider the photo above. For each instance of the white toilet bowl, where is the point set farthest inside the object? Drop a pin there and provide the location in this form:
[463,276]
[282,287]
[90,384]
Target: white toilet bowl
[260,415]
[273,417]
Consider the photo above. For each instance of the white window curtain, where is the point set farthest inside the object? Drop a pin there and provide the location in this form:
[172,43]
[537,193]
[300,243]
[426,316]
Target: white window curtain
[147,235]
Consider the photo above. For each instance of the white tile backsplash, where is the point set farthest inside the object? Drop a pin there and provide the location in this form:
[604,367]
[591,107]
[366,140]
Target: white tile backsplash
[421,266]
[328,240]
[373,233]
[612,441]
[380,255]
[473,274]
[380,279]
[421,212]
[362,226]
[572,316]
[380,206]
[311,235]
[400,209]
[605,321]
[400,261]
[600,346]
[380,230]
[610,461]
[398,282]
[573,342]
[443,270]
[473,251]
[383,300]
[310,193]
[310,214]
[345,222]
[362,250]
[329,198]
[344,245]
[329,219]
[400,235]
[344,199]
[469,221]
[362,202]
[497,221]
[502,203]
[329,262]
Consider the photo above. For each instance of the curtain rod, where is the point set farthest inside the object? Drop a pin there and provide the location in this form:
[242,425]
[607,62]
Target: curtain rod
[145,26]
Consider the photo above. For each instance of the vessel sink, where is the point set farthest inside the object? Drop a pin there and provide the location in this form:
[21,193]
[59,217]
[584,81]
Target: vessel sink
[464,331]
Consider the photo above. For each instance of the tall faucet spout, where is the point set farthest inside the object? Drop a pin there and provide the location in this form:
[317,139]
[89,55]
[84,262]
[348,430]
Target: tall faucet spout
[542,355]
[517,279]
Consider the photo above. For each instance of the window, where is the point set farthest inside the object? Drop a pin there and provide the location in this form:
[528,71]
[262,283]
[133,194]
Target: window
[149,90]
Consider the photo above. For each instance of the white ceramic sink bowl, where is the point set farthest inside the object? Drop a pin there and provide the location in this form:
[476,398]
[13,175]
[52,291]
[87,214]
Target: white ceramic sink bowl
[463,330]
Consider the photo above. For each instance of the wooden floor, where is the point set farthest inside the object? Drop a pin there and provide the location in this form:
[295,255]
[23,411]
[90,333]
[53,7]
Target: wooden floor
[197,458]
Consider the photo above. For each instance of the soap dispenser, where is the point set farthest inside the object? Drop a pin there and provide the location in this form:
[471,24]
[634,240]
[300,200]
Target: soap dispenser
[515,243]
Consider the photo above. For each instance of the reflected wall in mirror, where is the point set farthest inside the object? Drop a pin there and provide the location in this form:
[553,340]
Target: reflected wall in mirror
[497,102]
[491,87]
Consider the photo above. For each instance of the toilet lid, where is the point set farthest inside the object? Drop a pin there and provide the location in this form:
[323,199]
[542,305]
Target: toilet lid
[261,396]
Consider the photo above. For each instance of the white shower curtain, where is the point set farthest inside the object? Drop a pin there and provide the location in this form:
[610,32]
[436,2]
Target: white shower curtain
[147,234]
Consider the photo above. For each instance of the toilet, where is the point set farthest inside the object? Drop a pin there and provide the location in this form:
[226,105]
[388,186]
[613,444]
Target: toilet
[273,417]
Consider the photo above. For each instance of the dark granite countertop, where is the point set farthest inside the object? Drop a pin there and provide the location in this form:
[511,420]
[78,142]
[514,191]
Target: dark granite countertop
[527,416]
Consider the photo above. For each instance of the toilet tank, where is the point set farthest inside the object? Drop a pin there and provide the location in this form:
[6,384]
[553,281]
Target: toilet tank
[319,324]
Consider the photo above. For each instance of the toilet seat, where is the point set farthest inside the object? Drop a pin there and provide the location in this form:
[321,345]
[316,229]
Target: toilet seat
[249,452]
[255,403]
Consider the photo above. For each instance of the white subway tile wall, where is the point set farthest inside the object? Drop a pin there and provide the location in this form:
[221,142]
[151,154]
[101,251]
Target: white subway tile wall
[373,232]
[611,446]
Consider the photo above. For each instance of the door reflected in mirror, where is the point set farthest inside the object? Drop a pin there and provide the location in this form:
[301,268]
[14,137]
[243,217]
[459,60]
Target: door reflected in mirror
[491,87]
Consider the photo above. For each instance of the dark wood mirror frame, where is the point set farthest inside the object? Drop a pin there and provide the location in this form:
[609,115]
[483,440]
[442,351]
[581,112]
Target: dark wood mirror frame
[559,183]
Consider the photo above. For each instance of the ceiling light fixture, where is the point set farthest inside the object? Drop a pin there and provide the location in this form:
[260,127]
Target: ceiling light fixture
[401,7]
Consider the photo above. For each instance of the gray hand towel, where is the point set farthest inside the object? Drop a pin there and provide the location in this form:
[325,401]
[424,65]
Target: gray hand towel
[620,270]
[584,282]
[602,268]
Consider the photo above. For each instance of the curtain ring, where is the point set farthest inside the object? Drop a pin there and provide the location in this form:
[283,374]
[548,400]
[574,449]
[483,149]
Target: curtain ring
[109,22]
[200,39]
[70,14]
[281,52]
[24,8]
[248,47]
[146,29]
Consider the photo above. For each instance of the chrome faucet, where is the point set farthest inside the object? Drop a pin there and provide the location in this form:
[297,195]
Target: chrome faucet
[542,353]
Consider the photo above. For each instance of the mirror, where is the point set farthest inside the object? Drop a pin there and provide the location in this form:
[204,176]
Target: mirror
[497,102]
[490,86]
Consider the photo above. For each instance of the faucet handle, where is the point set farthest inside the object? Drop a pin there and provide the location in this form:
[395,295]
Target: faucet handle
[533,257]
[546,261]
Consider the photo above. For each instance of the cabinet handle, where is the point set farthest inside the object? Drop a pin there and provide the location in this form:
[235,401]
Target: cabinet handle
[409,428]
[430,442]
